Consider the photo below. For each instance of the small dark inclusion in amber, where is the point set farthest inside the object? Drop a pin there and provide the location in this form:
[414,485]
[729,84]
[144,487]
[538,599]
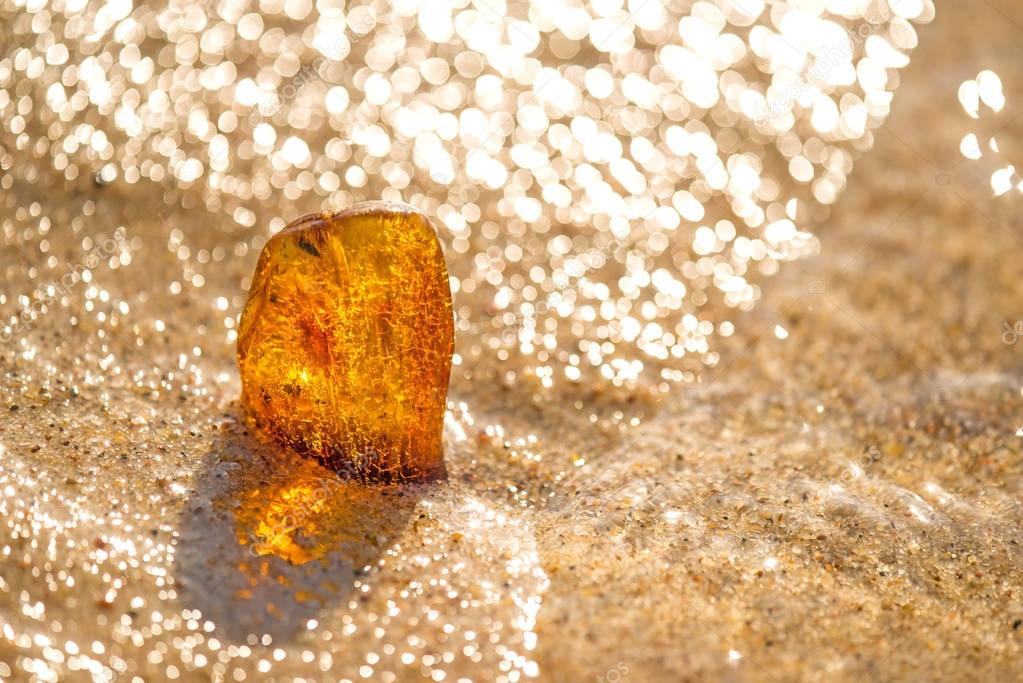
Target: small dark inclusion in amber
[346,339]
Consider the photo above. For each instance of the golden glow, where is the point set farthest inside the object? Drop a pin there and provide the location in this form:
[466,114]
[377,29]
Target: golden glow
[310,514]
[345,343]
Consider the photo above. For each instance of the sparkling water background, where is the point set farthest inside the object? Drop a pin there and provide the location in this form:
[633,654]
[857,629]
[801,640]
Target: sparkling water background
[759,426]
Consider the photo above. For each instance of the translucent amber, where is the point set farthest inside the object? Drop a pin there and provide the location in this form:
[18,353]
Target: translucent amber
[345,342]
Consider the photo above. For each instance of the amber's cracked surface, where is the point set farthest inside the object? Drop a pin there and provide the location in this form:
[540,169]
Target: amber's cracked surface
[346,340]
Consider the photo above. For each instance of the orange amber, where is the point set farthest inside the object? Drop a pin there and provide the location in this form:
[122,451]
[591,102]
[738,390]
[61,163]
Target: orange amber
[345,342]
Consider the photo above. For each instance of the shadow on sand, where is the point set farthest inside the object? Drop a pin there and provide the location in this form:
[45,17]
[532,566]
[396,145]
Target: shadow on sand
[268,539]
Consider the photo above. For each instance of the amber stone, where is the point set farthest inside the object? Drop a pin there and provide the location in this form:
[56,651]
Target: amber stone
[346,340]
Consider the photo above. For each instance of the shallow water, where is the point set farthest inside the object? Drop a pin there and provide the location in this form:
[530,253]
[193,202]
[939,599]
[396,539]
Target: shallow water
[833,491]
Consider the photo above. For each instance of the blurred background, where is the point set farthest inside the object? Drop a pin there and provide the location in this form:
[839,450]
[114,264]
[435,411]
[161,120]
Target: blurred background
[737,380]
